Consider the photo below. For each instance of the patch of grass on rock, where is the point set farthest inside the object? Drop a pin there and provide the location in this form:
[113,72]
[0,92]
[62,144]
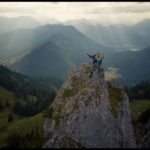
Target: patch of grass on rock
[68,93]
[83,91]
[48,113]
[115,97]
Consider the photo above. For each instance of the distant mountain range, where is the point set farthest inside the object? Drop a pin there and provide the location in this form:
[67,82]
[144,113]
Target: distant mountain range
[120,37]
[54,60]
[61,48]
[20,41]
[53,50]
[116,37]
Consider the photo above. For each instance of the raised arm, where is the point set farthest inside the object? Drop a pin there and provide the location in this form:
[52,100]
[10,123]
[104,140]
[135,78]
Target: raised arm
[89,55]
[94,55]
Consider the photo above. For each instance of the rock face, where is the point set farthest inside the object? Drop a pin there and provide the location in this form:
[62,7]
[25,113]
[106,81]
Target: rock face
[89,113]
[142,132]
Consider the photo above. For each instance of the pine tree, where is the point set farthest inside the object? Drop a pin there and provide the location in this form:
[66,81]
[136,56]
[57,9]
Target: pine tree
[32,132]
[37,132]
[7,103]
[1,105]
[10,118]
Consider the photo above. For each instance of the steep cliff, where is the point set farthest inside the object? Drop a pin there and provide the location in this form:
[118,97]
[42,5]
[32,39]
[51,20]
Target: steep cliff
[89,112]
[144,133]
[142,129]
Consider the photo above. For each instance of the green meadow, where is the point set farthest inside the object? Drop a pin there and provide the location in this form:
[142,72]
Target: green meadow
[139,106]
[20,125]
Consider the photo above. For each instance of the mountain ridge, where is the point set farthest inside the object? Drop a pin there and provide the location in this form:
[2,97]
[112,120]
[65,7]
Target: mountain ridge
[24,40]
[118,36]
[71,53]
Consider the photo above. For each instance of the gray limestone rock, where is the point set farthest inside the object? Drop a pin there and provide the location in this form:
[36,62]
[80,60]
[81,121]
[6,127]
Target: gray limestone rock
[145,141]
[90,113]
[144,134]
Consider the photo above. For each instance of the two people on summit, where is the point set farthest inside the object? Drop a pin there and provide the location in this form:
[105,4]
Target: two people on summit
[96,62]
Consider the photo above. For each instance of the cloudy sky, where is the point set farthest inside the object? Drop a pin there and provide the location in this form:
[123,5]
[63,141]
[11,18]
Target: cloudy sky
[105,12]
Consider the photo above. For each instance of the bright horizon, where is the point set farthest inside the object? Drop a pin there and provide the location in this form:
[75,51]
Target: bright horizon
[100,12]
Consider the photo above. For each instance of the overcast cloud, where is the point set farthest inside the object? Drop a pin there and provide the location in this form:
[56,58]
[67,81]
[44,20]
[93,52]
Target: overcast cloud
[107,12]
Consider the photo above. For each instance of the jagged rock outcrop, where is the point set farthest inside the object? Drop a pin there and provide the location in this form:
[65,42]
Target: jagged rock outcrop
[145,141]
[142,132]
[89,112]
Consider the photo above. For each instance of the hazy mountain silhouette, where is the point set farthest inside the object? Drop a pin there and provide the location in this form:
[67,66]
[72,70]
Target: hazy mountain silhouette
[53,58]
[45,60]
[57,48]
[8,24]
[23,40]
[120,36]
[64,48]
[134,66]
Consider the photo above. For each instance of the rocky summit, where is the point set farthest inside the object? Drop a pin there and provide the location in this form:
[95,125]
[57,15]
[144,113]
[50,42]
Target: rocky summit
[89,113]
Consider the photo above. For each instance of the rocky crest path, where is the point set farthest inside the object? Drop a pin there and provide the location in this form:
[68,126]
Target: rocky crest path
[89,113]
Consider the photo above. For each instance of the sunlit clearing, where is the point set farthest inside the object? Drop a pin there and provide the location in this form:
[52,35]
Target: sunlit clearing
[112,73]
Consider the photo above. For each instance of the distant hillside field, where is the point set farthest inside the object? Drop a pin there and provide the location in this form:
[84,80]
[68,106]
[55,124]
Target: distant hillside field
[139,106]
[134,66]
[22,102]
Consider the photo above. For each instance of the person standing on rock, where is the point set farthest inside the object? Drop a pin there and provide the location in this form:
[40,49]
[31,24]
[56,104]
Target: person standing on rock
[92,71]
[94,59]
[99,61]
[94,64]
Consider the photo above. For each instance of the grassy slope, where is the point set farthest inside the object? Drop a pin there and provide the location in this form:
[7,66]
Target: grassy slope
[19,124]
[8,95]
[22,126]
[138,106]
[4,125]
